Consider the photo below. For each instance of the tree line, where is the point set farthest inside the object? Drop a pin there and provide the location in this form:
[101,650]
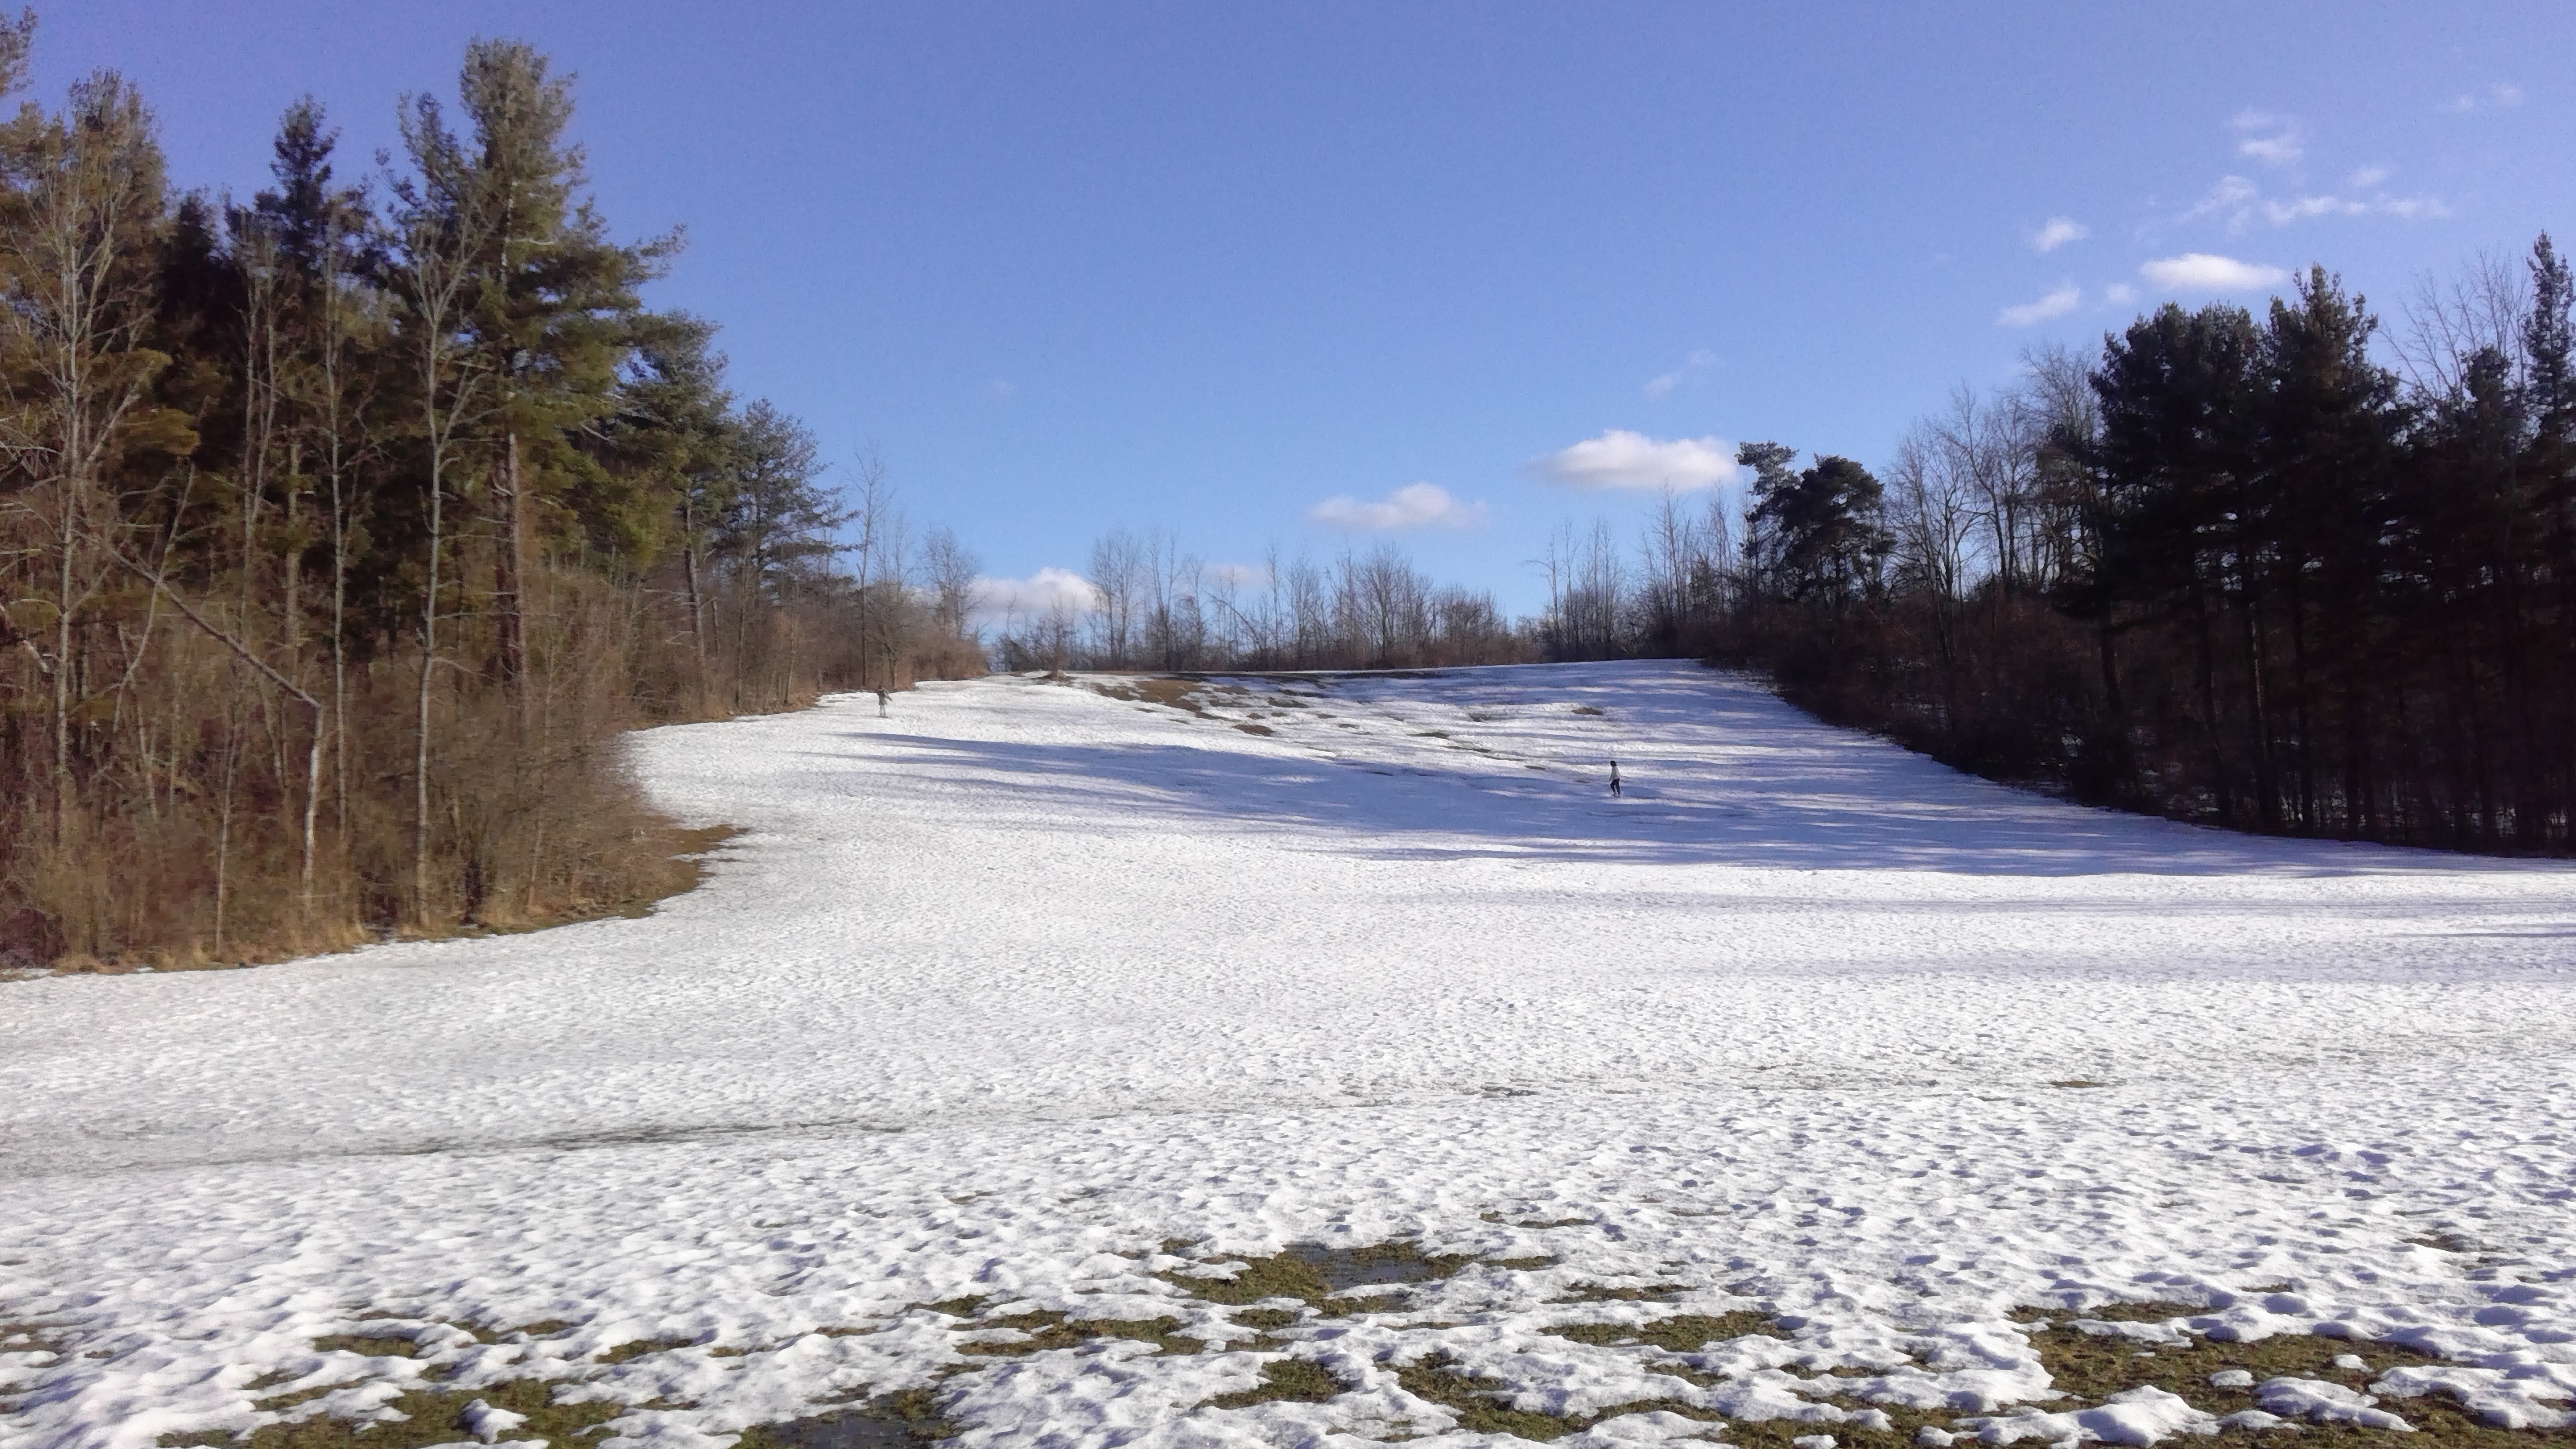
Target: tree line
[2286,573]
[1147,604]
[343,528]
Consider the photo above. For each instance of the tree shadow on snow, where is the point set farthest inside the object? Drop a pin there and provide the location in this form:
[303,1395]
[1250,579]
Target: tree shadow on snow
[1840,806]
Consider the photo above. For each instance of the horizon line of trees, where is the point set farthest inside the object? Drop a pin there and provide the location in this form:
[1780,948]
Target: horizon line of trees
[342,529]
[1145,603]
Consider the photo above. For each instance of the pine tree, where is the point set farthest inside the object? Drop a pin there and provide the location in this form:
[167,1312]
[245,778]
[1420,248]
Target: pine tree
[554,312]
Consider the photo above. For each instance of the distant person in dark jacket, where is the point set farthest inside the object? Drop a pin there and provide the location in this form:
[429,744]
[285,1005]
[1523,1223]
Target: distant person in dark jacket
[882,698]
[1614,779]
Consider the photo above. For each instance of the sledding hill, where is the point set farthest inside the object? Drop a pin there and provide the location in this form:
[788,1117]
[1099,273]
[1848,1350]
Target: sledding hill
[1047,999]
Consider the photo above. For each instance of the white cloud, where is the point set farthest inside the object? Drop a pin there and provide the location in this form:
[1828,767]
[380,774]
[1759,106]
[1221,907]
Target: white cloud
[2202,272]
[1698,363]
[2056,304]
[2405,208]
[1622,459]
[2282,213]
[2501,96]
[2230,195]
[2243,203]
[1416,505]
[2058,232]
[1033,596]
[2270,139]
[2271,150]
[2119,294]
[1001,388]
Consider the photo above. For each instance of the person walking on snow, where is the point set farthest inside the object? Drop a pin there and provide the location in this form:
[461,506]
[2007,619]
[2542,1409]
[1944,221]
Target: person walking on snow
[1614,779]
[881,704]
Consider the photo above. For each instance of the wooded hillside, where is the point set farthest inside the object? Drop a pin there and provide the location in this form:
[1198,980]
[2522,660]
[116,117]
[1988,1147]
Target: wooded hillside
[2259,572]
[343,527]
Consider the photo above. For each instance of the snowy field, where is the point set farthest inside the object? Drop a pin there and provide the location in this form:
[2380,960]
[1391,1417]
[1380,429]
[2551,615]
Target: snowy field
[1029,1000]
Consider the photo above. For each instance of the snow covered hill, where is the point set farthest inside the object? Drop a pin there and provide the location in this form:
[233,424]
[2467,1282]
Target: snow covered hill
[1031,1000]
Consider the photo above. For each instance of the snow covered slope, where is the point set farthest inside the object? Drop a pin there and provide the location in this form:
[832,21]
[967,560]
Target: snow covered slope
[1048,999]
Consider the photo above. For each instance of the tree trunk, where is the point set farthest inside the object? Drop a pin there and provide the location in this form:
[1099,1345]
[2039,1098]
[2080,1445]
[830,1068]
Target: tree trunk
[420,717]
[513,570]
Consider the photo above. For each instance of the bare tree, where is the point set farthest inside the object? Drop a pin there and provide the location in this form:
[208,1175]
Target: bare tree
[440,232]
[949,571]
[76,261]
[2481,311]
[1935,511]
[1118,571]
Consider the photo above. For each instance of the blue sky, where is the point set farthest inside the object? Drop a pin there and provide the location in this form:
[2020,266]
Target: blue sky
[1213,267]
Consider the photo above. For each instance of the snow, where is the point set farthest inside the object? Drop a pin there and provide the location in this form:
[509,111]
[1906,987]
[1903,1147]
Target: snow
[1046,998]
[2133,1416]
[488,1424]
[2321,1401]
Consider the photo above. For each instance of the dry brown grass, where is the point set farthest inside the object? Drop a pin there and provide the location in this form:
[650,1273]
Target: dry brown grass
[1289,1380]
[183,845]
[433,1416]
[2086,1366]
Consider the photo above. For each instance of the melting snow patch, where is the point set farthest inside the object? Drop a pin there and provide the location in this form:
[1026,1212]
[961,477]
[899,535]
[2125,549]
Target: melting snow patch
[2520,1397]
[2321,1402]
[2137,1416]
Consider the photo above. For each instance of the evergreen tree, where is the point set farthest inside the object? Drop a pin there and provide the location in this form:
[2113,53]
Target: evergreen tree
[2328,441]
[553,310]
[1826,535]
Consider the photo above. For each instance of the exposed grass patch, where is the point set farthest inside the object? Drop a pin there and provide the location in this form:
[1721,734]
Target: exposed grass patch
[2094,1366]
[1048,1330]
[1589,709]
[890,1421]
[280,1403]
[1282,1275]
[369,1344]
[436,1416]
[637,1348]
[1323,1278]
[1904,1425]
[1603,1293]
[1290,1380]
[1255,729]
[1681,1333]
[29,1338]
[2078,1082]
[1171,692]
[1478,1403]
[2152,1311]
[1482,1405]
